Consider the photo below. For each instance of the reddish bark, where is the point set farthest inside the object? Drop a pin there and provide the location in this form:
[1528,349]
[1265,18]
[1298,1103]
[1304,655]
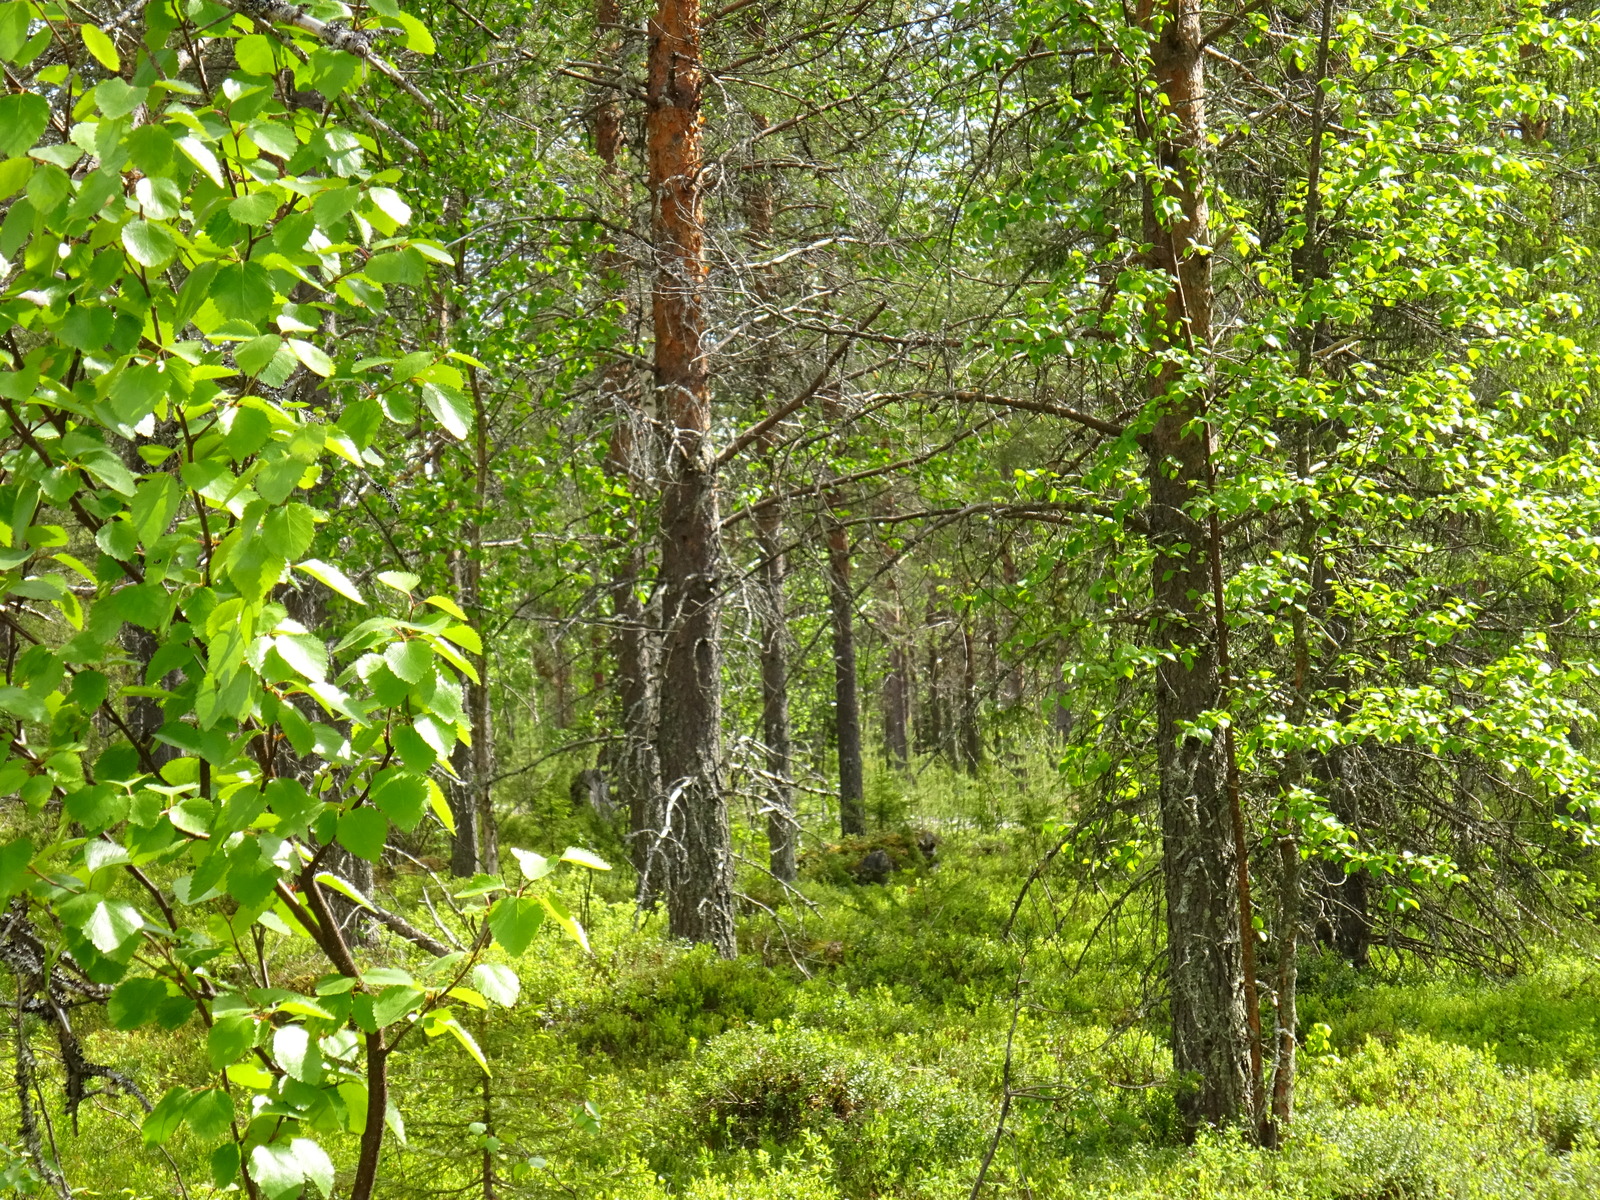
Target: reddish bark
[696,840]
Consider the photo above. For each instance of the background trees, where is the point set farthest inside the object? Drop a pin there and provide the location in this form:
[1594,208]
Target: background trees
[736,413]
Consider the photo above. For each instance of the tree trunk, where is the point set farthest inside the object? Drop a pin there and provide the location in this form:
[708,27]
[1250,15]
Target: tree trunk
[483,836]
[1310,553]
[897,688]
[932,725]
[971,734]
[782,829]
[846,694]
[1211,1037]
[695,825]
[472,847]
[638,777]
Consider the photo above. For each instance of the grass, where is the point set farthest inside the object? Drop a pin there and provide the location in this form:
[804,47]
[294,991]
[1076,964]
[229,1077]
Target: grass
[856,1050]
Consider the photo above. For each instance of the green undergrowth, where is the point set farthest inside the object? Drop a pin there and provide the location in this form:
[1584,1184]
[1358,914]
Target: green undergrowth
[858,1049]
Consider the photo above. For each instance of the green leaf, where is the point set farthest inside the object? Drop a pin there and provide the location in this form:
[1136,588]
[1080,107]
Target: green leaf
[348,891]
[255,354]
[253,53]
[13,29]
[229,1039]
[159,198]
[402,795]
[412,748]
[330,576]
[396,266]
[150,148]
[155,502]
[254,208]
[250,1075]
[23,116]
[225,1164]
[23,704]
[584,858]
[400,581]
[499,983]
[314,1164]
[304,653]
[362,831]
[149,244]
[394,1002]
[134,1002]
[242,290]
[165,1118]
[109,470]
[288,530]
[117,98]
[534,866]
[296,1053]
[440,806]
[101,47]
[514,920]
[466,637]
[210,1114]
[315,360]
[417,36]
[466,1039]
[15,856]
[49,188]
[392,205]
[448,605]
[565,919]
[450,406]
[200,155]
[14,176]
[277,1171]
[98,807]
[411,660]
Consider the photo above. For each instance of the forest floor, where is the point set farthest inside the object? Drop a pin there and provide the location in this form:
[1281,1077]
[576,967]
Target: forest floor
[864,1042]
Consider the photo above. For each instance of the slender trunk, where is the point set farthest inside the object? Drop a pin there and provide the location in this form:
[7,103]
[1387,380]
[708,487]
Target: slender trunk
[638,774]
[1289,870]
[933,709]
[1211,1035]
[897,688]
[27,1122]
[638,781]
[782,829]
[695,824]
[846,694]
[1012,684]
[1289,887]
[466,855]
[480,712]
[971,746]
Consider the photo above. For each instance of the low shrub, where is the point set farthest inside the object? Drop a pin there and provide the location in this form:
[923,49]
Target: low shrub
[789,1091]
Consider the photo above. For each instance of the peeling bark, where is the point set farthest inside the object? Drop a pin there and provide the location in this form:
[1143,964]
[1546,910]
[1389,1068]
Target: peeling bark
[695,834]
[1211,1037]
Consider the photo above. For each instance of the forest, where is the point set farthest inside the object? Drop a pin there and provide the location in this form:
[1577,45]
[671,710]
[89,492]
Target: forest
[811,600]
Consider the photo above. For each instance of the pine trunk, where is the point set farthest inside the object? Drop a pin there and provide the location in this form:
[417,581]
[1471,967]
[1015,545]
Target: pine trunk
[698,850]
